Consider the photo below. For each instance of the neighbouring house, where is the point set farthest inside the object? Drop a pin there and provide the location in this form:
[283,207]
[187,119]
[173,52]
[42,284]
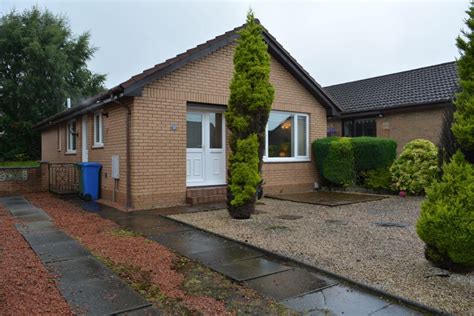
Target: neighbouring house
[165,129]
[403,106]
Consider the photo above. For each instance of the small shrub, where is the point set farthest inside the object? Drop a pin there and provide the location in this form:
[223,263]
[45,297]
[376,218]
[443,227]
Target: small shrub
[416,167]
[338,167]
[372,153]
[378,179]
[446,223]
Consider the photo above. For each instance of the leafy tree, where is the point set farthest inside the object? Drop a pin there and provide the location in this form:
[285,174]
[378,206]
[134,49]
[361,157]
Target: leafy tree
[41,65]
[251,97]
[463,127]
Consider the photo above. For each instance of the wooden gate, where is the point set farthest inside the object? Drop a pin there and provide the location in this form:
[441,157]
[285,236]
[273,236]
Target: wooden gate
[63,178]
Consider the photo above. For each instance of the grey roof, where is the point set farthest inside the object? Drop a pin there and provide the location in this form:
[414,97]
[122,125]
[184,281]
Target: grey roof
[432,84]
[133,86]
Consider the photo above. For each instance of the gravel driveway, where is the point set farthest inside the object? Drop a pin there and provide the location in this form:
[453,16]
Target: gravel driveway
[352,240]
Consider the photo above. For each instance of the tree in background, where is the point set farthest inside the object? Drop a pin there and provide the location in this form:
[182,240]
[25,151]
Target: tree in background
[41,65]
[463,126]
[251,97]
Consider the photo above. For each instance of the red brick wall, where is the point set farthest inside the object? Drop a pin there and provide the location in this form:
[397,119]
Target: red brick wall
[36,180]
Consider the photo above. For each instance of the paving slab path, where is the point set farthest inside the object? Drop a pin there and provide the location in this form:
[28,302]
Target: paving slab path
[292,284]
[88,286]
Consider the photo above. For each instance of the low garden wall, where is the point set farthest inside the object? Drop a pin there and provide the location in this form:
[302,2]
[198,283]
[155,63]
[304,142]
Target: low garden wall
[17,180]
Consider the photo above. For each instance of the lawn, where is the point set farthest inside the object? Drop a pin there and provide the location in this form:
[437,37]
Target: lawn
[28,163]
[374,243]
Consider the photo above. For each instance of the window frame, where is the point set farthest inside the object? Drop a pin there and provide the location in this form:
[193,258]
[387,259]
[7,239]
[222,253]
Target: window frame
[296,157]
[69,150]
[98,115]
[353,121]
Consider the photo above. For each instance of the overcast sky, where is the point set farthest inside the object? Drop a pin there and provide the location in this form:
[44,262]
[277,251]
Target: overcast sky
[335,41]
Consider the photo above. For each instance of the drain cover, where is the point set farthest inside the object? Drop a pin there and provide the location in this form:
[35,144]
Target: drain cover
[289,217]
[391,224]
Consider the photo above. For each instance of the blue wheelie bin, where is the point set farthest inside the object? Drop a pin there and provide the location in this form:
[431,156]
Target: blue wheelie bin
[90,174]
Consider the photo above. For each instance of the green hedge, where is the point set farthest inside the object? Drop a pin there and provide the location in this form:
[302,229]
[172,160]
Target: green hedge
[338,167]
[360,154]
[373,153]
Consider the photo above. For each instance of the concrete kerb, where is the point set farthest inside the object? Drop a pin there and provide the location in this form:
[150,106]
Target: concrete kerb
[393,297]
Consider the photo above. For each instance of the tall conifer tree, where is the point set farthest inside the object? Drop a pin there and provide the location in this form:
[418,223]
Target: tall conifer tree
[251,97]
[463,126]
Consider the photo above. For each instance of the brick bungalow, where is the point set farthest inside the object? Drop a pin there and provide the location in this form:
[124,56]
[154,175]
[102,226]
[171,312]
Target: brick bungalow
[402,106]
[166,127]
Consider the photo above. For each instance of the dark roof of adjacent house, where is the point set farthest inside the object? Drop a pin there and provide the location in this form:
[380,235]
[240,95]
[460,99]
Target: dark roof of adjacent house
[134,85]
[422,86]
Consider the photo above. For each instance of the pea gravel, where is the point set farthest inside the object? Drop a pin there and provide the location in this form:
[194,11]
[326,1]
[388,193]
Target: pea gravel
[347,240]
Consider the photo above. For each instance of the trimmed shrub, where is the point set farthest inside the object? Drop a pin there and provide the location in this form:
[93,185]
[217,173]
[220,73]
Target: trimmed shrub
[373,153]
[321,151]
[338,167]
[367,153]
[416,167]
[378,179]
[446,223]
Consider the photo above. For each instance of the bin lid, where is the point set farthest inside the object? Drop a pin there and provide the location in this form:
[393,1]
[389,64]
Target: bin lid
[90,164]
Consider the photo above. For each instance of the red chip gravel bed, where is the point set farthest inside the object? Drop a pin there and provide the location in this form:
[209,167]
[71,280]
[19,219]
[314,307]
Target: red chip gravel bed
[95,233]
[26,288]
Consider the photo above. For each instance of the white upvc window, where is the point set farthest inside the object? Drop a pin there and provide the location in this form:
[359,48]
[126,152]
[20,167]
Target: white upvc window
[287,137]
[98,130]
[71,137]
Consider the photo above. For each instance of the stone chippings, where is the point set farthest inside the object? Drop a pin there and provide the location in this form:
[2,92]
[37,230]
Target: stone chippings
[389,258]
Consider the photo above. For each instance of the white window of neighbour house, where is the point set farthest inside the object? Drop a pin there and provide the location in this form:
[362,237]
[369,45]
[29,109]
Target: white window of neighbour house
[71,137]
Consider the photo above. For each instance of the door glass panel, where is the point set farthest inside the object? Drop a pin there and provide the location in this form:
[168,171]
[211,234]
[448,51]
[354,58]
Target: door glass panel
[280,135]
[194,130]
[215,130]
[302,148]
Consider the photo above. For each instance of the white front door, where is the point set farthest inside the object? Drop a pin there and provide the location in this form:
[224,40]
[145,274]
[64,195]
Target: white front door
[205,154]
[85,151]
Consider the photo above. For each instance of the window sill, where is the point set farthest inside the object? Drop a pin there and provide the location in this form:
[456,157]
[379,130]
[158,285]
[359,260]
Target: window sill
[286,160]
[98,146]
[70,152]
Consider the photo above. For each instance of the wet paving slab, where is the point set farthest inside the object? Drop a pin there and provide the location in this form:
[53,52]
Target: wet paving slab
[89,287]
[60,250]
[250,269]
[37,238]
[38,226]
[290,283]
[226,255]
[143,221]
[101,296]
[341,300]
[191,241]
[38,217]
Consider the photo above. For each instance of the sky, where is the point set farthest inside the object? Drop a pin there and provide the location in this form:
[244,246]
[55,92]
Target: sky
[335,41]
